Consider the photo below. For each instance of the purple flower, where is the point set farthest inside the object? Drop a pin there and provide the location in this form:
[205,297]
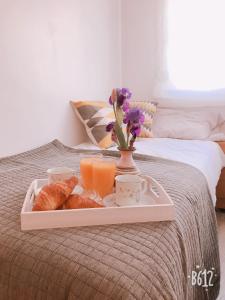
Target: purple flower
[110,126]
[120,99]
[135,130]
[126,92]
[123,95]
[134,116]
[126,106]
[119,96]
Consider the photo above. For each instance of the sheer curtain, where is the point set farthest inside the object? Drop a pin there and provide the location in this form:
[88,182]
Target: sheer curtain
[191,52]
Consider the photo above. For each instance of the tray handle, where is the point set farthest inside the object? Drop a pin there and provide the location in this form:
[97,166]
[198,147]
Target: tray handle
[161,195]
[30,194]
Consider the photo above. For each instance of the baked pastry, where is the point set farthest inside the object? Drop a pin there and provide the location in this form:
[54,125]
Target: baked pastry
[53,196]
[77,201]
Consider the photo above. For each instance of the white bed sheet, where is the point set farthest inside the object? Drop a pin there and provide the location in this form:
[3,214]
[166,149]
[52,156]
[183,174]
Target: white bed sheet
[204,155]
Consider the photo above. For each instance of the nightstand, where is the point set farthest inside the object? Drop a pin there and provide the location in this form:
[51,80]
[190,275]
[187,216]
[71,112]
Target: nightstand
[220,190]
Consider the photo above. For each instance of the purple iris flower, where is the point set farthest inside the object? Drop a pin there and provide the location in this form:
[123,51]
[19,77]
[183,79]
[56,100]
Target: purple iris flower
[110,100]
[121,99]
[110,126]
[135,130]
[126,106]
[134,116]
[126,92]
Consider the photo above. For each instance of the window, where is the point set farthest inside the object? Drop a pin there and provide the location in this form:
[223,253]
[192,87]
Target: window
[195,50]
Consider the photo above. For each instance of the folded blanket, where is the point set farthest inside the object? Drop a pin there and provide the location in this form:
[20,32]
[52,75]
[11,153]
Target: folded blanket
[128,261]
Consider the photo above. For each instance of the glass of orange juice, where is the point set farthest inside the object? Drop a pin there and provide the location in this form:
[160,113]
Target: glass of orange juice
[86,170]
[104,171]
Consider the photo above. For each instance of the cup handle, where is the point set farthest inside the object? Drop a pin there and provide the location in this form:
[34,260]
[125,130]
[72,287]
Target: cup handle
[146,184]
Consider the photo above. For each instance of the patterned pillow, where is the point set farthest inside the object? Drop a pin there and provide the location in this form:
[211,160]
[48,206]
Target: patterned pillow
[95,115]
[149,109]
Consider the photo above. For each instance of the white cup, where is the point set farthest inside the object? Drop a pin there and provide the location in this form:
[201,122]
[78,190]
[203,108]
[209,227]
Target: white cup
[129,189]
[59,174]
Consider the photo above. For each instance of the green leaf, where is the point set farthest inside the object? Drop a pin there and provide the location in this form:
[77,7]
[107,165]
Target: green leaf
[120,136]
[119,115]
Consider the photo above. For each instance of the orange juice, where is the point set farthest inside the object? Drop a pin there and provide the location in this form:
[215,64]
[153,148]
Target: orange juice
[104,171]
[86,172]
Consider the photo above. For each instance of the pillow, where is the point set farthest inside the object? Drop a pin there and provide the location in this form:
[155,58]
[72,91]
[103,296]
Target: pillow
[189,123]
[95,115]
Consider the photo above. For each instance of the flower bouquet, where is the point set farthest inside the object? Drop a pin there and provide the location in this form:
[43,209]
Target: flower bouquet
[126,127]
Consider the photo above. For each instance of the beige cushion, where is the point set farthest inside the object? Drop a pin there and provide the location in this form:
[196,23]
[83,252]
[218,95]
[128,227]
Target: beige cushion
[95,115]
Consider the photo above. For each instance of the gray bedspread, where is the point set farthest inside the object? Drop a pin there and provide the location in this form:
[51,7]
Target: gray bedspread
[129,261]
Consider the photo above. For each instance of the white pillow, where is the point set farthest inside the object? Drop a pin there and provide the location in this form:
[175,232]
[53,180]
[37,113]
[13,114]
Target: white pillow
[190,123]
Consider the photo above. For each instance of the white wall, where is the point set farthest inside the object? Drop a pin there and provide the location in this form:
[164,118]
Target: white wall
[139,45]
[52,51]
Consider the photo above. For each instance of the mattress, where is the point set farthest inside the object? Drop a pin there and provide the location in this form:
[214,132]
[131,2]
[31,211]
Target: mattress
[204,155]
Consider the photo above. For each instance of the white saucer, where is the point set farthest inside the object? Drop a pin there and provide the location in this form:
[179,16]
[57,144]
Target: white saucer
[110,201]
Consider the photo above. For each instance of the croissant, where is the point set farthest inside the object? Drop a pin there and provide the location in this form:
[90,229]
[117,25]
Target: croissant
[53,196]
[77,201]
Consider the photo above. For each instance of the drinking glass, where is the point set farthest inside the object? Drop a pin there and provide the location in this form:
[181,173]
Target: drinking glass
[104,171]
[86,171]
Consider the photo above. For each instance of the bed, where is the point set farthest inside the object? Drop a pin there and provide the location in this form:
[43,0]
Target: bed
[128,261]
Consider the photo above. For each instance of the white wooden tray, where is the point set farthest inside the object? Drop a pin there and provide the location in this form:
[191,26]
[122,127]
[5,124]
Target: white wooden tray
[159,207]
